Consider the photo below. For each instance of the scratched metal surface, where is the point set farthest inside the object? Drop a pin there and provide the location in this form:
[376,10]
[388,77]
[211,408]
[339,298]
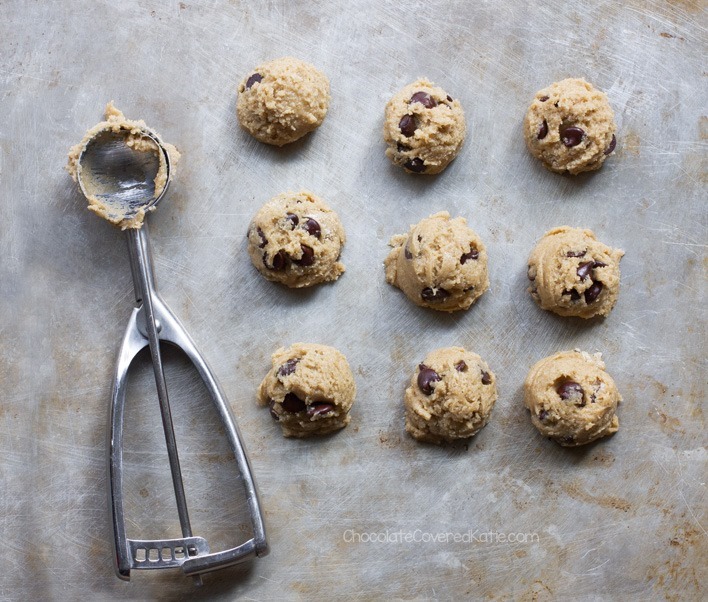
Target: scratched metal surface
[623,518]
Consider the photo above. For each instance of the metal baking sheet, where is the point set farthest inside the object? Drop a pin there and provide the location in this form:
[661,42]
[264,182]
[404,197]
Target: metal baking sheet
[624,518]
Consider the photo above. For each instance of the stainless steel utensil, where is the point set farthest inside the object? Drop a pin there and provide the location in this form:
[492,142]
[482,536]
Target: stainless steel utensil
[124,177]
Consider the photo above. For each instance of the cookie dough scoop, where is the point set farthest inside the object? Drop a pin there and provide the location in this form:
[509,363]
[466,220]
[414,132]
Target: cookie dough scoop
[124,169]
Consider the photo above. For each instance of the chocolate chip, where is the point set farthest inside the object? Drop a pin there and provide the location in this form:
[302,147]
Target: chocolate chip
[264,240]
[584,269]
[402,148]
[592,293]
[313,227]
[426,377]
[407,253]
[555,104]
[486,378]
[307,258]
[468,289]
[569,390]
[407,125]
[255,78]
[432,295]
[461,366]
[613,143]
[288,367]
[599,264]
[317,409]
[293,219]
[273,413]
[544,98]
[542,130]
[576,253]
[542,415]
[473,254]
[568,439]
[571,135]
[449,98]
[293,404]
[425,99]
[279,261]
[416,165]
[574,295]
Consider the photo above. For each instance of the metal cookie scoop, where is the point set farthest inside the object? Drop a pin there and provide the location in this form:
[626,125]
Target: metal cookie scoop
[127,171]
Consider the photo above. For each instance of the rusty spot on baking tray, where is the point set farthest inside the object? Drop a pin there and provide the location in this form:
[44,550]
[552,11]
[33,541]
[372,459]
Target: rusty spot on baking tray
[668,424]
[575,491]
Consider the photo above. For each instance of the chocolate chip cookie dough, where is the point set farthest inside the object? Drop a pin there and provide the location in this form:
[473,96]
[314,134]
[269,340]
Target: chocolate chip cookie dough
[296,239]
[309,390]
[570,127]
[424,128]
[571,398]
[440,263]
[136,139]
[282,100]
[574,274]
[450,397]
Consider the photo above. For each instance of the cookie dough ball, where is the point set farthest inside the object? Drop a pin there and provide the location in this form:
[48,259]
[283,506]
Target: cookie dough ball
[574,274]
[281,101]
[571,398]
[424,128]
[440,263]
[309,390]
[570,127]
[296,239]
[450,397]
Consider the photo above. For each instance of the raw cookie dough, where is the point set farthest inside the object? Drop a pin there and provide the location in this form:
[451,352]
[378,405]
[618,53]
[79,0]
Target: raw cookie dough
[282,100]
[573,274]
[309,390]
[424,128]
[115,121]
[571,398]
[440,263]
[570,127]
[450,397]
[296,239]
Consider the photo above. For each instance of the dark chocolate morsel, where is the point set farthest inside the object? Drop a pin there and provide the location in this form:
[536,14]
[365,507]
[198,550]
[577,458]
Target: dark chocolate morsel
[255,78]
[576,253]
[292,218]
[613,143]
[264,240]
[569,389]
[542,415]
[449,98]
[407,125]
[319,408]
[461,366]
[543,98]
[308,257]
[584,269]
[473,254]
[288,367]
[571,135]
[407,253]
[416,165]
[293,404]
[542,130]
[574,295]
[592,293]
[425,99]
[402,148]
[278,262]
[432,295]
[313,227]
[426,377]
[273,413]
[486,378]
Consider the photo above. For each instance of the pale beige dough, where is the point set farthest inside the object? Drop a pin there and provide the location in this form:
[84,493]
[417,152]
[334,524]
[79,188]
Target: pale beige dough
[440,263]
[424,128]
[574,274]
[296,239]
[570,103]
[288,101]
[571,398]
[115,121]
[309,390]
[451,396]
